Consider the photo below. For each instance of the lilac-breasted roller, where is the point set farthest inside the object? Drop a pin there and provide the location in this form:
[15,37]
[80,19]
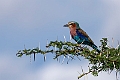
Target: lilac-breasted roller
[80,36]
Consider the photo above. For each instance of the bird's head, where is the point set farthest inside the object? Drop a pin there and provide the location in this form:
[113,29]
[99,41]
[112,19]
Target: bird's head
[72,24]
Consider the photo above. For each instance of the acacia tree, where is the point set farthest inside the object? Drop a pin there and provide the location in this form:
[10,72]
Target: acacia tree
[107,60]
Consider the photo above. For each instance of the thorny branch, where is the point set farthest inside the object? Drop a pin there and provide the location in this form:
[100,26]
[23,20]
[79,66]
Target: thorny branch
[107,60]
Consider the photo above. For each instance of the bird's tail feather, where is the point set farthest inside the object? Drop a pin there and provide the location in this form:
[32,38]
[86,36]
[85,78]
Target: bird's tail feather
[95,47]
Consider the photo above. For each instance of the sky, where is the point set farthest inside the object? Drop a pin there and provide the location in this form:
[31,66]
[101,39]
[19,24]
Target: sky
[30,22]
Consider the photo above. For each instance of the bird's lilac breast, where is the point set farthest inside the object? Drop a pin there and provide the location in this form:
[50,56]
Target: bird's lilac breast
[73,32]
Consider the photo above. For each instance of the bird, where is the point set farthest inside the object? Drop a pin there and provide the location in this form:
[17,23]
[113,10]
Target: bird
[79,35]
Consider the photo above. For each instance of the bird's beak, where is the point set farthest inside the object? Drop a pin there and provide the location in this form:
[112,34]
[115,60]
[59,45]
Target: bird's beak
[66,25]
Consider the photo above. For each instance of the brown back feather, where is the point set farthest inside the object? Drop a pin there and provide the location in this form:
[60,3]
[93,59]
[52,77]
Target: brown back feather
[85,34]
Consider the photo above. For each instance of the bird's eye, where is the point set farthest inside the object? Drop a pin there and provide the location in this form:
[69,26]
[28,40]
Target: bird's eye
[71,24]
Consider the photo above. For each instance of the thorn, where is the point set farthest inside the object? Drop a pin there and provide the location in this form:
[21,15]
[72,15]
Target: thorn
[118,42]
[82,69]
[44,58]
[70,38]
[64,38]
[78,58]
[67,61]
[47,41]
[68,58]
[118,45]
[87,77]
[79,72]
[57,38]
[113,41]
[24,46]
[114,64]
[34,56]
[63,59]
[59,59]
[30,58]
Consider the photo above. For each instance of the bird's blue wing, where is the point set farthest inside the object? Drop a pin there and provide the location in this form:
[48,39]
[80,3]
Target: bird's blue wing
[83,37]
[82,34]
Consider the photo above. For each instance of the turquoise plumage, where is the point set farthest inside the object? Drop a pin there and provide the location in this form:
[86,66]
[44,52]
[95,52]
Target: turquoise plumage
[80,36]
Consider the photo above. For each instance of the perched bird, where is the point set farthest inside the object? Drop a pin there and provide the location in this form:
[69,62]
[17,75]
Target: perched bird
[80,36]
